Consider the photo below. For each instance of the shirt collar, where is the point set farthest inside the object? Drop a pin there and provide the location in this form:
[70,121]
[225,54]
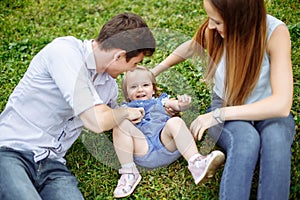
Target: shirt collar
[97,79]
[89,55]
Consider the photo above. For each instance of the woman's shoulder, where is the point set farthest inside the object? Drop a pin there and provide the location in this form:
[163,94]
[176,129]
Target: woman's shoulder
[272,24]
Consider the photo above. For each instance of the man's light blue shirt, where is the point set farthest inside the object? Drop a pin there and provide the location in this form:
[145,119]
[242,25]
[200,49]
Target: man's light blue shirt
[60,83]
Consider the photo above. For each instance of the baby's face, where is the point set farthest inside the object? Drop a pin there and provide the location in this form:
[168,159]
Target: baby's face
[139,86]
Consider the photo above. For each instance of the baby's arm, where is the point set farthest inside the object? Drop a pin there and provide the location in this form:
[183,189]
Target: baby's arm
[182,103]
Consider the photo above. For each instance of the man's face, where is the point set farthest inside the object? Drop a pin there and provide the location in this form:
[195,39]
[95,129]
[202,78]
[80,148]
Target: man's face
[120,65]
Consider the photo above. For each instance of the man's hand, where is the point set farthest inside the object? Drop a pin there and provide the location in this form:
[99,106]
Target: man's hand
[135,114]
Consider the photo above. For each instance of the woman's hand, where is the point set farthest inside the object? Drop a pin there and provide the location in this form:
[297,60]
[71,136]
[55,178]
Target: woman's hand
[201,123]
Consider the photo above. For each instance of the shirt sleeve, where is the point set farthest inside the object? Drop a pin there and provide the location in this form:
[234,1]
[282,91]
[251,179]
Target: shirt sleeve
[85,95]
[113,103]
[67,68]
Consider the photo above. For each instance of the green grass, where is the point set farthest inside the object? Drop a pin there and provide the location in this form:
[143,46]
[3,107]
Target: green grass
[28,25]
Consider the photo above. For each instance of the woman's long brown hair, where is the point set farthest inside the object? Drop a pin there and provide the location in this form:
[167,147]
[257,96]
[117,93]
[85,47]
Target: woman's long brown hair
[245,33]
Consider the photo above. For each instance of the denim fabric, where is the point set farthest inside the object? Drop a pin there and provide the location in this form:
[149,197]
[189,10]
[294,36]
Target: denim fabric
[155,115]
[247,143]
[23,179]
[157,156]
[151,125]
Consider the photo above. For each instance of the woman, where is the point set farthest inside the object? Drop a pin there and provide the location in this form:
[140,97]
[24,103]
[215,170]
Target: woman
[250,67]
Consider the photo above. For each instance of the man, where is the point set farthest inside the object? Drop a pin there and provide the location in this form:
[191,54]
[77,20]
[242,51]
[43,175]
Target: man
[70,84]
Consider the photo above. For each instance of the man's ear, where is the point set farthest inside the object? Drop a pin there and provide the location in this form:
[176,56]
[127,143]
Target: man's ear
[119,54]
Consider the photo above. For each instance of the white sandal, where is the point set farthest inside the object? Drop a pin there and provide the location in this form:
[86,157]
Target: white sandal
[130,178]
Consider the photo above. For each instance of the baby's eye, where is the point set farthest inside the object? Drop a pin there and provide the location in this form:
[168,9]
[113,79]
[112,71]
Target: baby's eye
[147,84]
[133,87]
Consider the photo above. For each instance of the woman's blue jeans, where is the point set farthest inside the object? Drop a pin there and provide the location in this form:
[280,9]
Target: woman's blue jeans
[23,179]
[246,144]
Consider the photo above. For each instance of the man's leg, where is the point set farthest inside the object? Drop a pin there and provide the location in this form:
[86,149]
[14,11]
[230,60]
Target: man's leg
[17,172]
[56,182]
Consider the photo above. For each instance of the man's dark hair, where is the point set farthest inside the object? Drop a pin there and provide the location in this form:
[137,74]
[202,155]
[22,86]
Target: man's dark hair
[129,32]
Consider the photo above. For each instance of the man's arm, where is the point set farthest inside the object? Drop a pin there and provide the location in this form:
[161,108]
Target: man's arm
[101,118]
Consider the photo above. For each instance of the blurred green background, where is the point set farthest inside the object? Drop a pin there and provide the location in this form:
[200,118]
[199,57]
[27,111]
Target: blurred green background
[28,25]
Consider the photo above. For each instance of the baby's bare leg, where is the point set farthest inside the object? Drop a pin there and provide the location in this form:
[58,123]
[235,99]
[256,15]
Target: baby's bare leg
[176,135]
[128,140]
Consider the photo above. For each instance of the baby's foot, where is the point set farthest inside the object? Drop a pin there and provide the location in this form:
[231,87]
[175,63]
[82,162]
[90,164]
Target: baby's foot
[206,166]
[127,183]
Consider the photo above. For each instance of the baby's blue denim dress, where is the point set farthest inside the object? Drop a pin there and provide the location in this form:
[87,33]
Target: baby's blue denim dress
[151,125]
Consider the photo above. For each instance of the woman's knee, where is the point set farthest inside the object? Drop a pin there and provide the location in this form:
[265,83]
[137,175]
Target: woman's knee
[278,132]
[241,137]
[276,144]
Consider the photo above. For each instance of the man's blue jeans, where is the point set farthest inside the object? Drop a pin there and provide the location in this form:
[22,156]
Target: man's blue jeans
[23,179]
[246,144]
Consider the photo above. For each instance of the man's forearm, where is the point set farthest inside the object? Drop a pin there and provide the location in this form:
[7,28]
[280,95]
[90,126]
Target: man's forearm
[101,118]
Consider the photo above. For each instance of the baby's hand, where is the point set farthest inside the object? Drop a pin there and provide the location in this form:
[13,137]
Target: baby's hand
[184,102]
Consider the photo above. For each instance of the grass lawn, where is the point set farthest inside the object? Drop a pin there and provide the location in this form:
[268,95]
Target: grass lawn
[28,25]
